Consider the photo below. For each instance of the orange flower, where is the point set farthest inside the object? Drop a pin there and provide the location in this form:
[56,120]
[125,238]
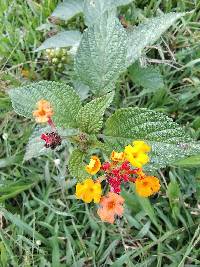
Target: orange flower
[94,166]
[117,156]
[110,205]
[147,186]
[43,112]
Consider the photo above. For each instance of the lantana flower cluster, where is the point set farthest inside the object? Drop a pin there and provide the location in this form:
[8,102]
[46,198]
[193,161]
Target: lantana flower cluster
[105,180]
[122,168]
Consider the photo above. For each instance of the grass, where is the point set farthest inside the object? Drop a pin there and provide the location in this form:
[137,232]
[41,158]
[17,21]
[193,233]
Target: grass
[41,223]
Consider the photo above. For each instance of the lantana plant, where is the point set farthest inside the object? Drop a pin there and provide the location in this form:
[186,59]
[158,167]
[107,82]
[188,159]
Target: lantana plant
[132,143]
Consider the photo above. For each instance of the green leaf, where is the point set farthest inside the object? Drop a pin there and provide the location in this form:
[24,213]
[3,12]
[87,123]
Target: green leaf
[94,9]
[81,89]
[149,77]
[101,55]
[35,146]
[148,208]
[116,3]
[11,189]
[3,255]
[190,162]
[6,242]
[76,164]
[12,160]
[64,100]
[54,241]
[168,140]
[68,9]
[173,193]
[15,220]
[61,39]
[90,117]
[147,33]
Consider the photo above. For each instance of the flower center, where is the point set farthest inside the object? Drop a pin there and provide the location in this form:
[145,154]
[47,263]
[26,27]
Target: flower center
[42,112]
[145,183]
[91,189]
[111,205]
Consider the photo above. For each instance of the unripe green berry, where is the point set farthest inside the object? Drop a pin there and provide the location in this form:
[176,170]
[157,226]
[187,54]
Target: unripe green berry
[64,51]
[52,54]
[57,52]
[48,51]
[60,65]
[55,60]
[64,59]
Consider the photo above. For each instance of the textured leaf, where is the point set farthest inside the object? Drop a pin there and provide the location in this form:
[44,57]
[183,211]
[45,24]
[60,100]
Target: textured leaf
[35,146]
[62,39]
[68,9]
[90,117]
[81,89]
[94,9]
[64,100]
[117,3]
[168,140]
[76,165]
[149,77]
[101,55]
[147,33]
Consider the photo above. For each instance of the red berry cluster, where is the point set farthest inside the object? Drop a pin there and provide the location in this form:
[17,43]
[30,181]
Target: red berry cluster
[116,175]
[52,140]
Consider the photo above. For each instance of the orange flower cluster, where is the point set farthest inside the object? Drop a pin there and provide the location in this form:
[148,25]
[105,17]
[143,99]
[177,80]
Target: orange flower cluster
[123,167]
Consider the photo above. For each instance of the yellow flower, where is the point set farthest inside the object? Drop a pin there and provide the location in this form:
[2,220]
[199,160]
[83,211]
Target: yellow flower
[43,112]
[117,157]
[147,186]
[135,157]
[141,146]
[94,166]
[136,154]
[89,190]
